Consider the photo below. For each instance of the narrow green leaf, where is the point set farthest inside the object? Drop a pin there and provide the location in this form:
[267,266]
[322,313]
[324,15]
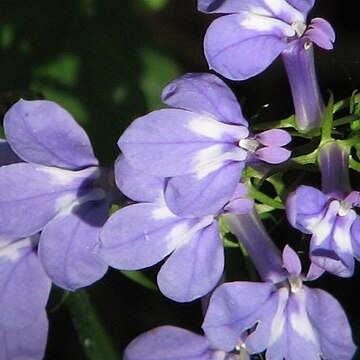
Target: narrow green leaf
[91,332]
[140,278]
[264,199]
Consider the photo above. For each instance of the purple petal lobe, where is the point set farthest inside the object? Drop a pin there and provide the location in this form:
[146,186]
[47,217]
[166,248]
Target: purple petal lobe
[67,246]
[141,235]
[42,132]
[189,196]
[302,5]
[273,137]
[206,94]
[279,9]
[24,285]
[273,155]
[231,311]
[243,45]
[188,274]
[168,343]
[7,156]
[321,33]
[305,208]
[135,184]
[27,343]
[291,261]
[172,142]
[331,324]
[31,195]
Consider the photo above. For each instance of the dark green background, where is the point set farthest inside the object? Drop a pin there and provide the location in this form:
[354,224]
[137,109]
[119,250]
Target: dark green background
[106,61]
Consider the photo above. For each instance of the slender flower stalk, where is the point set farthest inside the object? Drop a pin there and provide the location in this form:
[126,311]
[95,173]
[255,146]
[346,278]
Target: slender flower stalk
[252,235]
[298,59]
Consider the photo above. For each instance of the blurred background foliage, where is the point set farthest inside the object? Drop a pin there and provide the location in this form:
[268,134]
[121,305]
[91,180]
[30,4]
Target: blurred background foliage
[106,62]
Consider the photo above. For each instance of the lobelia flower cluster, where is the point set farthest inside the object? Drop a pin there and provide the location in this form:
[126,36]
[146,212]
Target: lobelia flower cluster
[191,173]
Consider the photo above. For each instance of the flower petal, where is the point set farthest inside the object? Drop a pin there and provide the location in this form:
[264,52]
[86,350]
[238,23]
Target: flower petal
[30,196]
[232,310]
[321,33]
[141,235]
[302,5]
[190,196]
[67,246]
[135,184]
[274,137]
[42,132]
[291,261]
[168,342]
[243,45]
[273,154]
[269,8]
[26,343]
[172,142]
[205,94]
[329,319]
[305,208]
[24,285]
[188,274]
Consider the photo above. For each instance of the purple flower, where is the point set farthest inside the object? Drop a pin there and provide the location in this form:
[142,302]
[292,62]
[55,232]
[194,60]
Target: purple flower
[143,234]
[329,215]
[245,42]
[24,289]
[54,190]
[173,343]
[286,319]
[200,144]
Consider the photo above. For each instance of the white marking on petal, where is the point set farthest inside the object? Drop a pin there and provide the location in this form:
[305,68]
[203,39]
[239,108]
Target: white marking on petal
[277,324]
[162,212]
[342,235]
[10,251]
[300,322]
[182,233]
[64,204]
[213,157]
[262,23]
[208,126]
[323,229]
[65,177]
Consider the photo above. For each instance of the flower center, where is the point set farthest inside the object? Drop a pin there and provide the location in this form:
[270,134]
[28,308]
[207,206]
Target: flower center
[250,145]
[295,284]
[345,207]
[299,28]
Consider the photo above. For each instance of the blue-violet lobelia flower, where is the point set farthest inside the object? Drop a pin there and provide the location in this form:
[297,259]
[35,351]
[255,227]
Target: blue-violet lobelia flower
[143,234]
[24,289]
[55,190]
[173,343]
[247,40]
[201,144]
[282,316]
[329,215]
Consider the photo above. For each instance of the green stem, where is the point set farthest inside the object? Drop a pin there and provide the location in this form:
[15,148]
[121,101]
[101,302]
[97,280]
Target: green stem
[258,195]
[91,331]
